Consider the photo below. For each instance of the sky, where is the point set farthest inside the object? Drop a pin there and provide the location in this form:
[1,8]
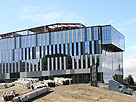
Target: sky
[22,14]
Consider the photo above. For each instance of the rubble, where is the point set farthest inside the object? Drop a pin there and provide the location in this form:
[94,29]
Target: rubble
[49,83]
[38,85]
[7,96]
[3,85]
[63,81]
[30,95]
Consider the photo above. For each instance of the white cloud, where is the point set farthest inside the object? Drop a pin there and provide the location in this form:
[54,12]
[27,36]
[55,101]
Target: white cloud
[119,24]
[134,47]
[130,66]
[131,48]
[109,22]
[42,14]
[131,21]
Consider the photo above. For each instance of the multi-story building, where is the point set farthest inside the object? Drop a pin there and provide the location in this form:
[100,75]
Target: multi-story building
[65,49]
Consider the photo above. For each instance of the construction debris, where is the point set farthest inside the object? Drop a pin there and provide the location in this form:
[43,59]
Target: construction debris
[3,85]
[10,84]
[6,85]
[38,85]
[63,81]
[49,83]
[7,96]
[23,84]
[30,95]
[31,80]
[26,82]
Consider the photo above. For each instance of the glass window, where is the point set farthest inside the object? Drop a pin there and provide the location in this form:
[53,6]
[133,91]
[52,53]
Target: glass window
[3,41]
[58,49]
[27,41]
[66,39]
[51,49]
[38,39]
[45,38]
[61,37]
[41,39]
[34,37]
[37,53]
[55,49]
[23,42]
[70,36]
[31,41]
[78,35]
[83,34]
[86,47]
[79,48]
[66,50]
[73,49]
[62,49]
[57,37]
[6,44]
[7,56]
[33,53]
[74,31]
[52,38]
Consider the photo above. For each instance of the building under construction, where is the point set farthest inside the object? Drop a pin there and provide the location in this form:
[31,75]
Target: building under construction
[63,49]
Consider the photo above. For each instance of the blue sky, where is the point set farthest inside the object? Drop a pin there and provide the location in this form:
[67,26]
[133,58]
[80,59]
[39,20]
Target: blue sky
[22,14]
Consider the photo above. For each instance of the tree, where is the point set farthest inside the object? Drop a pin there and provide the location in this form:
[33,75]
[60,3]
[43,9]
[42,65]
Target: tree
[129,80]
[135,82]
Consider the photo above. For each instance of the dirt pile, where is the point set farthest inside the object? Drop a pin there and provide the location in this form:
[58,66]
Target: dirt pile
[85,93]
[78,93]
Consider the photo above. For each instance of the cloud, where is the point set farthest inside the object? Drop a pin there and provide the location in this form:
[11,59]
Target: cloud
[130,66]
[109,21]
[42,14]
[131,21]
[134,47]
[131,48]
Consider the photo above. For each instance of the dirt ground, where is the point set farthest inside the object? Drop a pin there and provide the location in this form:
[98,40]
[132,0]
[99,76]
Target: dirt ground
[78,93]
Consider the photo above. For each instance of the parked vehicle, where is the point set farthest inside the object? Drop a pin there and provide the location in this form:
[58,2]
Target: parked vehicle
[123,89]
[116,86]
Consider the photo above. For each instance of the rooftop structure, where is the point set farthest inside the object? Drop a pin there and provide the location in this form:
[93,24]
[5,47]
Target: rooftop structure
[42,29]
